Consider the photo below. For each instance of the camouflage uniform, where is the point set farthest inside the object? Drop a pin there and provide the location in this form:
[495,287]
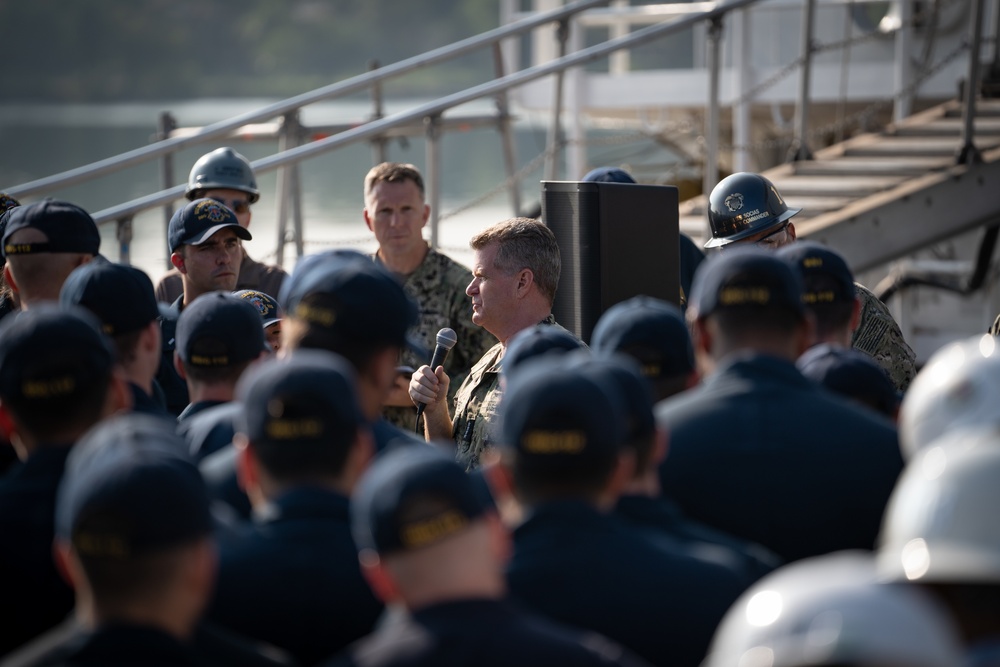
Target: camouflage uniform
[475,417]
[438,286]
[266,278]
[879,336]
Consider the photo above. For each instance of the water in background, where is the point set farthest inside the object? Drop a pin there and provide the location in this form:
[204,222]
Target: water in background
[41,140]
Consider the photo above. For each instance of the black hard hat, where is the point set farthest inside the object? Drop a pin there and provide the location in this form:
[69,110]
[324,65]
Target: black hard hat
[222,169]
[742,205]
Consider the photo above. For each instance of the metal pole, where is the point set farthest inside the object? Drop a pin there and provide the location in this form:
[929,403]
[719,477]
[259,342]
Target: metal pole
[799,149]
[555,130]
[575,138]
[286,141]
[903,66]
[434,174]
[379,143]
[506,136]
[296,195]
[741,111]
[969,154]
[711,175]
[124,235]
[164,126]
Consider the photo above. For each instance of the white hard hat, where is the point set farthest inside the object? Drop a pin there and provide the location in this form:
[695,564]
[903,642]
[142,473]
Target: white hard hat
[832,610]
[959,388]
[940,524]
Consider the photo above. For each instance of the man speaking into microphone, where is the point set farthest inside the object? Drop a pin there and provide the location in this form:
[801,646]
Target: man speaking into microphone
[515,274]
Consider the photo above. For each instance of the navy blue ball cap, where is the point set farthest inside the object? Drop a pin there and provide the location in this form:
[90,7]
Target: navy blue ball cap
[850,373]
[651,331]
[622,376]
[745,277]
[608,175]
[199,220]
[308,399]
[536,341]
[291,286]
[121,297]
[414,497]
[555,415]
[219,330]
[825,274]
[67,228]
[265,304]
[49,353]
[128,490]
[352,296]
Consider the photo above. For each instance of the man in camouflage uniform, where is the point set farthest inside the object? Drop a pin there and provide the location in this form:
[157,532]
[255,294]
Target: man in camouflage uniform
[515,276]
[746,209]
[395,211]
[227,177]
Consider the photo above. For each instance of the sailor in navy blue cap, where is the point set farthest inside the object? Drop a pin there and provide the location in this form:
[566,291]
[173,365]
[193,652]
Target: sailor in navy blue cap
[642,505]
[564,428]
[757,450]
[431,543]
[270,312]
[292,578]
[42,243]
[343,302]
[122,298]
[57,379]
[218,337]
[134,535]
[853,375]
[654,333]
[205,240]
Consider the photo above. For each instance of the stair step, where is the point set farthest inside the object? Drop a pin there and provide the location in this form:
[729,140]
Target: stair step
[984,126]
[873,167]
[984,107]
[842,186]
[916,147]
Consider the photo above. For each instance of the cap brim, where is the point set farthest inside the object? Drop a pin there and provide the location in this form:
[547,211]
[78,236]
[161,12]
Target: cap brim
[273,320]
[241,232]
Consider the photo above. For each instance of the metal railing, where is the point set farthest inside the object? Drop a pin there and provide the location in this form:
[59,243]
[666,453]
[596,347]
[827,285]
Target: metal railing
[292,152]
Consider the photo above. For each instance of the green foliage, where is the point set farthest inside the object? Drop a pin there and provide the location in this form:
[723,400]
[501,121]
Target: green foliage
[103,50]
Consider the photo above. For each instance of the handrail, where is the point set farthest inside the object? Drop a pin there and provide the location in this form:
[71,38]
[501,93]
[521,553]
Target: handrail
[437,107]
[346,87]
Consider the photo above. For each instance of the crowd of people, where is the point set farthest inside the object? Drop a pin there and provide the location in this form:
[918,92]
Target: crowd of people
[241,466]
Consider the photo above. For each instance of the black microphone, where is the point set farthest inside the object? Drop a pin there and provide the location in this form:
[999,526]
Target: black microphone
[446,339]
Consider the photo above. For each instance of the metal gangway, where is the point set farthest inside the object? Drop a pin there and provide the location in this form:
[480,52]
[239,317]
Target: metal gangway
[562,74]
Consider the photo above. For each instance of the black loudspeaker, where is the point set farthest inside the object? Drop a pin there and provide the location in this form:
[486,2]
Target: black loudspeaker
[616,240]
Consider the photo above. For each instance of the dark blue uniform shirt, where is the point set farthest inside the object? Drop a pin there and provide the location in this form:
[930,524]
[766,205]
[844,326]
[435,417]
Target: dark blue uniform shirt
[292,578]
[33,597]
[174,388]
[660,520]
[210,430]
[759,451]
[588,569]
[146,404]
[485,633]
[117,645]
[122,644]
